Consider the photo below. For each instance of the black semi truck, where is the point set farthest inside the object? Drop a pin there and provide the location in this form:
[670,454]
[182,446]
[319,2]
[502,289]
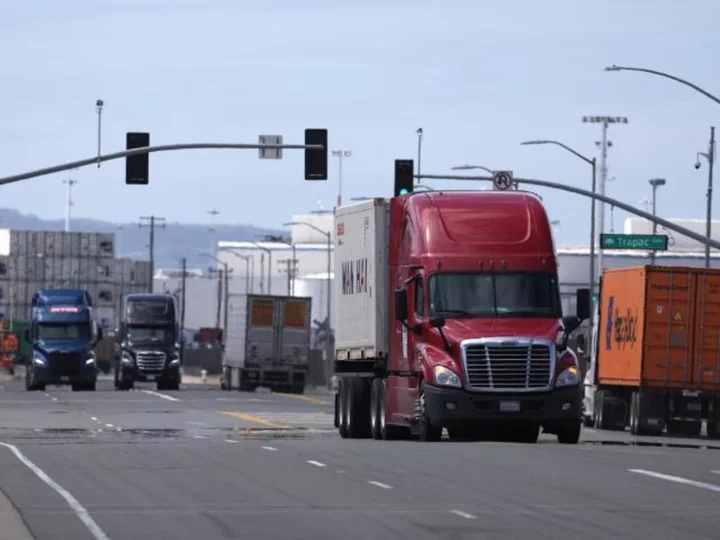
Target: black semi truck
[148,335]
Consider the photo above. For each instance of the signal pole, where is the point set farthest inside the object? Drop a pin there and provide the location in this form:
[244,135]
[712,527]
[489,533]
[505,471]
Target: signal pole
[69,203]
[152,222]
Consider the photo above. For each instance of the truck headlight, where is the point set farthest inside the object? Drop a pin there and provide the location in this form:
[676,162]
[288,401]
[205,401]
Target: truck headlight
[90,360]
[38,359]
[568,377]
[446,377]
[567,369]
[174,359]
[127,359]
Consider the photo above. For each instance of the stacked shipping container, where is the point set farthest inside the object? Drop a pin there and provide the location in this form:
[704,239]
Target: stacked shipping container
[31,260]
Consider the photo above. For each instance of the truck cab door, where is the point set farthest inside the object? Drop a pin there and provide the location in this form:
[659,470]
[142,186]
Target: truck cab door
[417,315]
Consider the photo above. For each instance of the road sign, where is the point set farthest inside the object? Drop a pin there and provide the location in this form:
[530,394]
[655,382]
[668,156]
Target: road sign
[270,153]
[654,242]
[502,180]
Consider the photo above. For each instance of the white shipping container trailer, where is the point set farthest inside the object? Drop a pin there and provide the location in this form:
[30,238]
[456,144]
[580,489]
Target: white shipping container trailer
[271,347]
[55,244]
[362,298]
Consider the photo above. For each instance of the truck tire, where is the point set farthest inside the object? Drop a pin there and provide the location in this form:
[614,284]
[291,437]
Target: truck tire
[359,410]
[569,432]
[343,412]
[389,432]
[428,432]
[375,412]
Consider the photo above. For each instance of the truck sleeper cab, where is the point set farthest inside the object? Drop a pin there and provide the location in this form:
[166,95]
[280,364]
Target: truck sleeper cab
[474,338]
[62,334]
[148,338]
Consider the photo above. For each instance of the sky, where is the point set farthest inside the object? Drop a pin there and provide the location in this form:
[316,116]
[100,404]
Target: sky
[479,77]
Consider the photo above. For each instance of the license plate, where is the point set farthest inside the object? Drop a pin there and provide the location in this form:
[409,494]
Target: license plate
[694,406]
[510,406]
[65,378]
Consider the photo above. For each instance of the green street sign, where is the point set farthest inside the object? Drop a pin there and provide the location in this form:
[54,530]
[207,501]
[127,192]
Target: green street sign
[656,242]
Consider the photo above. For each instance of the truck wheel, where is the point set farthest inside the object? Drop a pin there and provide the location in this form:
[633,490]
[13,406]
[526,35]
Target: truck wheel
[375,426]
[569,432]
[389,432]
[429,432]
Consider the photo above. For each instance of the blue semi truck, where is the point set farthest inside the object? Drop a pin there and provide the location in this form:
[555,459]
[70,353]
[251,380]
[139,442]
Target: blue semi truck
[62,335]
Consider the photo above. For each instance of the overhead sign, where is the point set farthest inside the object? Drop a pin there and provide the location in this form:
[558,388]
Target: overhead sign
[270,153]
[655,242]
[502,180]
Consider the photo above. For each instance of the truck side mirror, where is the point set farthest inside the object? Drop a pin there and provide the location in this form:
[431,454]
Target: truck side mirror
[401,311]
[437,322]
[26,335]
[582,304]
[571,323]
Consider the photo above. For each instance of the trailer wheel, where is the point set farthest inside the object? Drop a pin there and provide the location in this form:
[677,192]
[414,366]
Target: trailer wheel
[359,410]
[343,406]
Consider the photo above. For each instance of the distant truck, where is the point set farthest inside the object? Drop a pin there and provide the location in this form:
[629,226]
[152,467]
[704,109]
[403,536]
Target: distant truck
[62,334]
[271,347]
[655,360]
[149,336]
[449,317]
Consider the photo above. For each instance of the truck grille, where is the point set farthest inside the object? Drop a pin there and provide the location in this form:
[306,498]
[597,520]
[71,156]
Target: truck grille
[522,365]
[64,364]
[150,361]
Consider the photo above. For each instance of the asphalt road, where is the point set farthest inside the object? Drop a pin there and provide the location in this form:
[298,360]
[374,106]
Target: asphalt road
[203,463]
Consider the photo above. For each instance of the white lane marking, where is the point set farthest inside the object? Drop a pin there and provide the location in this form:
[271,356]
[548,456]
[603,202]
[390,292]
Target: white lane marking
[54,398]
[589,429]
[94,418]
[380,484]
[715,472]
[271,449]
[199,437]
[158,394]
[231,441]
[462,514]
[80,511]
[316,463]
[678,479]
[109,425]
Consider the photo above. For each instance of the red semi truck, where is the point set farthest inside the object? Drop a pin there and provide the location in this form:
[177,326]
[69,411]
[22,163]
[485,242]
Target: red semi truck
[448,315]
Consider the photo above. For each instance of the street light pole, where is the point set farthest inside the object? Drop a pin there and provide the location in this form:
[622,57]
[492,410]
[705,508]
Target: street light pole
[655,183]
[340,154]
[710,156]
[328,344]
[593,164]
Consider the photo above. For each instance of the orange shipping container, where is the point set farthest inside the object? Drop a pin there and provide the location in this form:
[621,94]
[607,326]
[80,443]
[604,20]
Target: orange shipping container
[660,327]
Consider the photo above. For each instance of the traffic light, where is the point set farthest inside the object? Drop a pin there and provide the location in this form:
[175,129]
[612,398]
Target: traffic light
[316,161]
[136,167]
[403,176]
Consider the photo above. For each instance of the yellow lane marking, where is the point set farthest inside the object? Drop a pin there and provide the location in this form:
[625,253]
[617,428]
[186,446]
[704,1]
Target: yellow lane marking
[303,398]
[254,419]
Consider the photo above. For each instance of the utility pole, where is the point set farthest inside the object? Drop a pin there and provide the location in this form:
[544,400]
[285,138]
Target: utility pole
[604,145]
[213,230]
[710,156]
[655,183]
[225,305]
[69,203]
[152,222]
[182,311]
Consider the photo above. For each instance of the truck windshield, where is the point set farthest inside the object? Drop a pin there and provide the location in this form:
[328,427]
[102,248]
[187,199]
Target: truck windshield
[457,295]
[60,331]
[150,309]
[153,334]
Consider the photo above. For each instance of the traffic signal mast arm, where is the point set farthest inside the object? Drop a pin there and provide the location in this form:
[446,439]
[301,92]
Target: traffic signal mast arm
[602,198]
[148,150]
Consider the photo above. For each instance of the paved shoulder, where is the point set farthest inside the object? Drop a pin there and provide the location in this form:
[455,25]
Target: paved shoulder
[12,526]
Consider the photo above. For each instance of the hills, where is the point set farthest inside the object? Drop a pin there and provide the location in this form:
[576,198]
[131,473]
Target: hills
[172,240]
